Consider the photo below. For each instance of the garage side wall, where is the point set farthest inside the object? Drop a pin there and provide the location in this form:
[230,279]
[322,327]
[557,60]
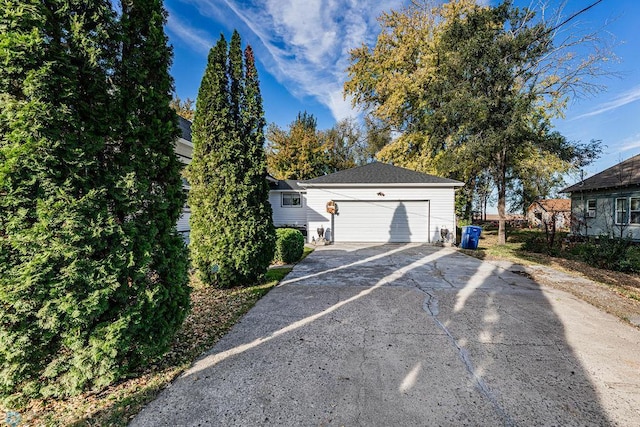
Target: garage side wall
[441,205]
[288,216]
[184,151]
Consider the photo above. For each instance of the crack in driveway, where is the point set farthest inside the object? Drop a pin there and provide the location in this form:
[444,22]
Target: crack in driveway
[430,305]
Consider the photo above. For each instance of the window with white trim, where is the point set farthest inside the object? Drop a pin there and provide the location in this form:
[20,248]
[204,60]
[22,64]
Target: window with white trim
[621,211]
[291,200]
[591,208]
[634,210]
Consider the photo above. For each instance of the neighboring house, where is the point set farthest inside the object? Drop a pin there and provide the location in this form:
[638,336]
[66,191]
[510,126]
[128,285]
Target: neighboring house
[184,151]
[608,203]
[379,202]
[545,211]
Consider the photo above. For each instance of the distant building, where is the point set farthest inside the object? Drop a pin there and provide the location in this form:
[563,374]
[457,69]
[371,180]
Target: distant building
[546,211]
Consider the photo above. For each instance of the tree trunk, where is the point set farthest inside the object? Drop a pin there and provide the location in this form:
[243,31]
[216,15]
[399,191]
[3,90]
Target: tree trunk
[502,221]
[484,208]
[501,183]
[468,209]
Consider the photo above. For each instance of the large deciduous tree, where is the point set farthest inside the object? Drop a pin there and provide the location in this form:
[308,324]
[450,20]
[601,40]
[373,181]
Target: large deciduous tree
[232,233]
[297,152]
[472,89]
[304,152]
[92,274]
[183,108]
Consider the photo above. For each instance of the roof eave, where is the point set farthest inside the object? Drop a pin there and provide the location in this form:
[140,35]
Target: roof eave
[185,142]
[378,185]
[582,189]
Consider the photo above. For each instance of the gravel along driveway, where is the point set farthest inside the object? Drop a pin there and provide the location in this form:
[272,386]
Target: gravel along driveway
[408,335]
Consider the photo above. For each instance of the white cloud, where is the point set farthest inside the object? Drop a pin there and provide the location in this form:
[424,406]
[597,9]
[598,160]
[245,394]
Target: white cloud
[306,44]
[625,98]
[200,40]
[630,143]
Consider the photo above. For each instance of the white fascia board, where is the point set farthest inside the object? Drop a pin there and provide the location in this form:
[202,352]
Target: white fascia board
[409,185]
[185,142]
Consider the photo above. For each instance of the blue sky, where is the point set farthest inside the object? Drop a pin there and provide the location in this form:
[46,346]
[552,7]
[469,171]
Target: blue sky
[302,48]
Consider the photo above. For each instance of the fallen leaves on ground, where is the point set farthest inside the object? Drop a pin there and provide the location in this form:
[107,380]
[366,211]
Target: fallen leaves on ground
[213,313]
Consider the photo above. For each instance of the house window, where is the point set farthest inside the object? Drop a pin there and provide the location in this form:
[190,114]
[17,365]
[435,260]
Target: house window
[621,211]
[634,210]
[591,208]
[291,200]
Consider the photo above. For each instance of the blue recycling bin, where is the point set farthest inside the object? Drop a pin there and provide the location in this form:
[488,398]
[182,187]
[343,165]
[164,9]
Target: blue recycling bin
[470,237]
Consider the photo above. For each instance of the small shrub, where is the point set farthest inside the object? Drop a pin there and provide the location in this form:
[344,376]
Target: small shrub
[611,252]
[584,251]
[536,244]
[289,245]
[631,261]
[608,253]
[604,252]
[540,244]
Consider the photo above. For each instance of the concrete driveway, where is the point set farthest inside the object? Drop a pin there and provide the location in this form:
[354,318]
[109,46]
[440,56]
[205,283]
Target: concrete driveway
[365,335]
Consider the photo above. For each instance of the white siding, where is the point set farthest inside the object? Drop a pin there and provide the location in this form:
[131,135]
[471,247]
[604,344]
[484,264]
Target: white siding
[604,221]
[287,215]
[183,222]
[184,151]
[183,227]
[441,205]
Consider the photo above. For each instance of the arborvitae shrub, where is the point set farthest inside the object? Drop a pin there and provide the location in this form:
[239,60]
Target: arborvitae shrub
[93,276]
[289,245]
[232,234]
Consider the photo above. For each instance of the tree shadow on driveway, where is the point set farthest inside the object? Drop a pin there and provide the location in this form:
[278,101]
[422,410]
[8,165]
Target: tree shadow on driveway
[396,334]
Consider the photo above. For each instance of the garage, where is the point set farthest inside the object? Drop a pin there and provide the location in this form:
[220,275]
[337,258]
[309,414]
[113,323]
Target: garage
[381,221]
[379,202]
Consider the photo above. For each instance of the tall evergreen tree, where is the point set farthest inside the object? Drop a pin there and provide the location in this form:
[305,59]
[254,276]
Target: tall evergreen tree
[147,195]
[232,234]
[58,260]
[92,275]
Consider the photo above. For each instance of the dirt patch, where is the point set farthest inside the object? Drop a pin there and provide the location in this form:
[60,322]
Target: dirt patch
[614,292]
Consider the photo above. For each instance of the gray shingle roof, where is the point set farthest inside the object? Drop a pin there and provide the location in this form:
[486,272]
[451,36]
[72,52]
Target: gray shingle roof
[623,174]
[287,184]
[380,173]
[185,128]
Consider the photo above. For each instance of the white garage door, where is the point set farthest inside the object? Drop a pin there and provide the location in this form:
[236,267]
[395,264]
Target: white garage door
[373,221]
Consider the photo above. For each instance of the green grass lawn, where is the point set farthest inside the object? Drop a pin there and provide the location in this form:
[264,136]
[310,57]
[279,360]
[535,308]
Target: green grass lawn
[488,247]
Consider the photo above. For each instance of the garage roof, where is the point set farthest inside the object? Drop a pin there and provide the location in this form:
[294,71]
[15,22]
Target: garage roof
[286,185]
[378,173]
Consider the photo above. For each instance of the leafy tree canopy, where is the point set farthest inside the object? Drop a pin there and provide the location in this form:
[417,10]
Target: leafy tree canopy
[184,109]
[473,89]
[304,152]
